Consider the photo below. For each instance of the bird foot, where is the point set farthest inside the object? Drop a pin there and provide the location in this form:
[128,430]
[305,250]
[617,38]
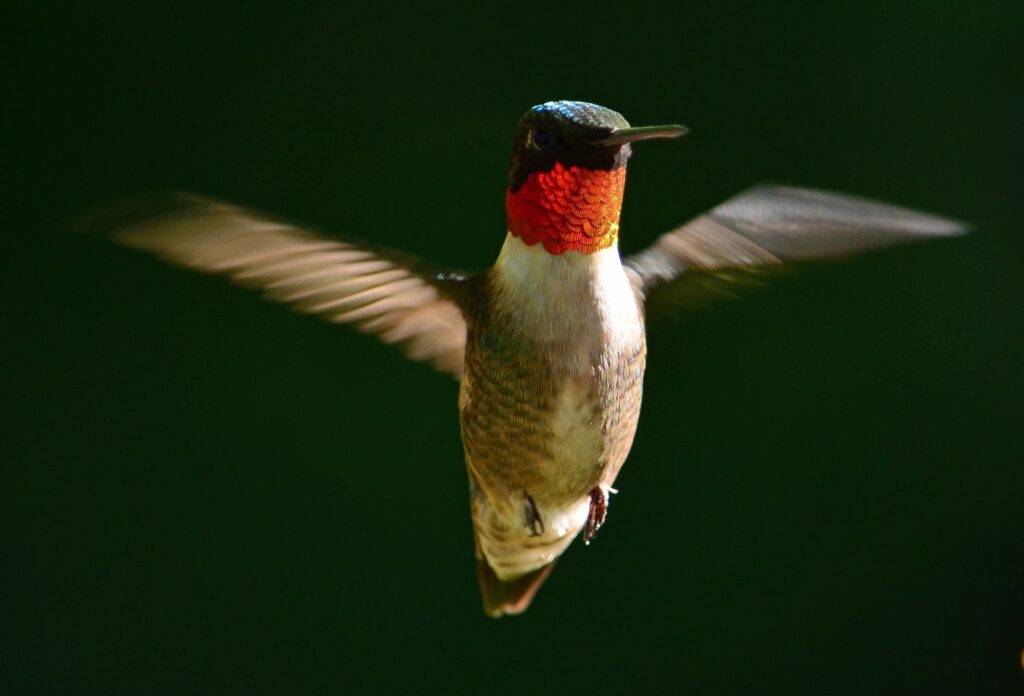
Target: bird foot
[597,515]
[533,520]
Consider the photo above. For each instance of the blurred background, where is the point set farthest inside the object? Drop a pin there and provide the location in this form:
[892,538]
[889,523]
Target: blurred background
[208,493]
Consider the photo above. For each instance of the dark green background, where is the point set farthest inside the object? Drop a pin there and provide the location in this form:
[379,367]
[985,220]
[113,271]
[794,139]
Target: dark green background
[210,494]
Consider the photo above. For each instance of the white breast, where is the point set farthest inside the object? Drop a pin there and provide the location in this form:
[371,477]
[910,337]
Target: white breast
[588,295]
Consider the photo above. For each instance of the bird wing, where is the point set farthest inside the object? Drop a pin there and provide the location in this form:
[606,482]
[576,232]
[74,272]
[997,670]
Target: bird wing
[380,292]
[768,226]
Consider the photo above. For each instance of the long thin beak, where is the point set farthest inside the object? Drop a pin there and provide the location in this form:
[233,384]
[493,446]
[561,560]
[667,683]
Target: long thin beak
[621,136]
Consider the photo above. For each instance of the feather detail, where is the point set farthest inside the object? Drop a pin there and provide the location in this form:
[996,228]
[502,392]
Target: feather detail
[378,291]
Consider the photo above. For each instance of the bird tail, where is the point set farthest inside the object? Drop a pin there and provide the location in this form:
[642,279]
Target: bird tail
[503,597]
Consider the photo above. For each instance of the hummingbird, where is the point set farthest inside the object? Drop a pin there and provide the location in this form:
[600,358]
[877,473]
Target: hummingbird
[549,344]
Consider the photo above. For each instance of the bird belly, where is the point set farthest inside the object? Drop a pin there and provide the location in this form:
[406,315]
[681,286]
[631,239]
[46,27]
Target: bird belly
[534,454]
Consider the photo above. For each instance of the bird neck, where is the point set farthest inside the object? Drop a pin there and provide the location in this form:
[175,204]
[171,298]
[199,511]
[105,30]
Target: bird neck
[567,208]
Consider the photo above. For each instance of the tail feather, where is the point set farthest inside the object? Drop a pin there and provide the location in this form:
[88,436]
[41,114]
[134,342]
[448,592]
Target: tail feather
[503,597]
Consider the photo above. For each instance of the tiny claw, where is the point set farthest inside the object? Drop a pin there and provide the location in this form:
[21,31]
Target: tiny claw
[597,515]
[533,520]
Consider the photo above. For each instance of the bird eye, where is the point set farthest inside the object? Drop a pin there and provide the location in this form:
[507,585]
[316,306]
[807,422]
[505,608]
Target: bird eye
[540,139]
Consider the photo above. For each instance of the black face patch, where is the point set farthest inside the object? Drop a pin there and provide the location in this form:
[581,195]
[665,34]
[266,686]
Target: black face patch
[561,131]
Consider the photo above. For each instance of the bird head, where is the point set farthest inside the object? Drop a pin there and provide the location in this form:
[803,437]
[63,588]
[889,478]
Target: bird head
[568,174]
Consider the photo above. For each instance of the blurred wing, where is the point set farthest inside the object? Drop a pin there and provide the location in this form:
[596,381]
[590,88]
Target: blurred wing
[377,291]
[768,226]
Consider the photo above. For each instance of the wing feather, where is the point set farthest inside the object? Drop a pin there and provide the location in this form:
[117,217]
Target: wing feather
[767,226]
[378,291]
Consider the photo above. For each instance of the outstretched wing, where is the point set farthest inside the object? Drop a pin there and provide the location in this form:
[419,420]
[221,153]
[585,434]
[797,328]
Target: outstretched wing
[380,292]
[767,226]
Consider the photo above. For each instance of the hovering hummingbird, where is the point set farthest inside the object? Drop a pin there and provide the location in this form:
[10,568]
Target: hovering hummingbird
[549,343]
